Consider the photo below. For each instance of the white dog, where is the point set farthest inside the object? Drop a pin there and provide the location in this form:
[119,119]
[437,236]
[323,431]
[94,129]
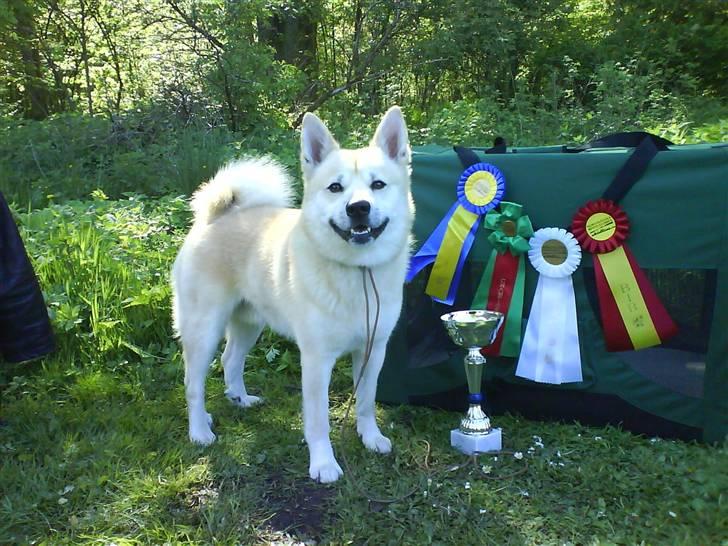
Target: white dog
[250,260]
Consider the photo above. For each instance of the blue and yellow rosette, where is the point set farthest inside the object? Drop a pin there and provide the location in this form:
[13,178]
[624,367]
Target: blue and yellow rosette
[480,189]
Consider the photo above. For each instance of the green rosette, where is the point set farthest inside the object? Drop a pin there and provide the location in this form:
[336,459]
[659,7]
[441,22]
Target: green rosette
[502,286]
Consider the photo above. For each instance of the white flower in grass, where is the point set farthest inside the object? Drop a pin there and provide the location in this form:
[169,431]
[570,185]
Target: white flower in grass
[62,500]
[672,514]
[598,438]
[467,485]
[486,468]
[525,493]
[518,455]
[483,510]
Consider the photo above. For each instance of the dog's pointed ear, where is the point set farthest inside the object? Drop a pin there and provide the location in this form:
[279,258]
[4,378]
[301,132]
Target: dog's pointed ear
[316,142]
[391,136]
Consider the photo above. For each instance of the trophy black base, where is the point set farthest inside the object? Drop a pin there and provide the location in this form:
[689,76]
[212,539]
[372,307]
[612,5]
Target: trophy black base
[476,443]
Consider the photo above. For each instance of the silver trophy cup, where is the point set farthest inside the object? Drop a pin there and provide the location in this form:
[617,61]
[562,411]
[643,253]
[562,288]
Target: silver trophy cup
[473,330]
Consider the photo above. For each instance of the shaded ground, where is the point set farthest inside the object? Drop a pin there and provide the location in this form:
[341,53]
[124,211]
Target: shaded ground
[300,507]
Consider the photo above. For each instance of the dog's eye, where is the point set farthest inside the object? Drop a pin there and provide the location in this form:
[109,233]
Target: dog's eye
[335,187]
[378,185]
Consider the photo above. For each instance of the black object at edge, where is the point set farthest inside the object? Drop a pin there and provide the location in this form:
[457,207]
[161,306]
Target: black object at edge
[25,329]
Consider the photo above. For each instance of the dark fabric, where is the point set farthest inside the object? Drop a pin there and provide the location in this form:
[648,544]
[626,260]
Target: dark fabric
[25,331]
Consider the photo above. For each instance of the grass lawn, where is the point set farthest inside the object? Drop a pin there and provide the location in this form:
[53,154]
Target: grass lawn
[94,448]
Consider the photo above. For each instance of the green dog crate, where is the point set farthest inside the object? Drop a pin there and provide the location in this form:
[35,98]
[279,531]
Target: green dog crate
[678,212]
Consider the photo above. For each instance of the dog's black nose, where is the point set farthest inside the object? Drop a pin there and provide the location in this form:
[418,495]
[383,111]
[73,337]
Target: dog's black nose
[358,209]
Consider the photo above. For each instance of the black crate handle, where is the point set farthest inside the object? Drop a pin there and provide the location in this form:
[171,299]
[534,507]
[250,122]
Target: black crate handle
[622,140]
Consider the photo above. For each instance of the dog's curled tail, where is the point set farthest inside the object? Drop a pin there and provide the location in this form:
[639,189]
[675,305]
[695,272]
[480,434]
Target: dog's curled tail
[247,183]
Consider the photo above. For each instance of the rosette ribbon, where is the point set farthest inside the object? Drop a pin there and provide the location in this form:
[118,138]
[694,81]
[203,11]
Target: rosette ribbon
[501,287]
[550,352]
[480,189]
[632,314]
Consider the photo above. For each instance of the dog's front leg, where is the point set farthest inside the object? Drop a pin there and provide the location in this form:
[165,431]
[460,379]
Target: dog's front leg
[366,422]
[316,374]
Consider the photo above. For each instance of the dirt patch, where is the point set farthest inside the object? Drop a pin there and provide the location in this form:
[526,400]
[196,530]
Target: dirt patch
[299,506]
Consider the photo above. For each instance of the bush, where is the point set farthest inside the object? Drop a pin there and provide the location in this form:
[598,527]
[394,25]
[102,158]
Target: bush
[69,156]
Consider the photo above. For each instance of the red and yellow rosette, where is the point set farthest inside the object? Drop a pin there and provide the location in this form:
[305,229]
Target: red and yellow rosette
[632,314]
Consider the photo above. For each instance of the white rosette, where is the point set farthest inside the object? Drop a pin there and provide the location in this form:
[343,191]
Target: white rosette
[550,351]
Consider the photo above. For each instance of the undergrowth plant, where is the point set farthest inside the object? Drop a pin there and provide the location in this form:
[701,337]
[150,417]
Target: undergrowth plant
[94,447]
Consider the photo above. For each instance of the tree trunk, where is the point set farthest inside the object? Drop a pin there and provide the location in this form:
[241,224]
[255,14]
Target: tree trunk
[85,58]
[36,95]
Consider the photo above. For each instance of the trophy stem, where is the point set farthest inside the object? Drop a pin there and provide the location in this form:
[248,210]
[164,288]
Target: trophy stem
[474,362]
[475,421]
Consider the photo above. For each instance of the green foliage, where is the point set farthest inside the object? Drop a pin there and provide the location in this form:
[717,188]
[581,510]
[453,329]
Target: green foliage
[258,64]
[69,156]
[151,97]
[94,445]
[104,266]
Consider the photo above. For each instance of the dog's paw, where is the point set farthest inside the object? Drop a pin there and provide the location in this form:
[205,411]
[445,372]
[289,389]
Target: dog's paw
[244,401]
[202,437]
[201,433]
[377,442]
[325,471]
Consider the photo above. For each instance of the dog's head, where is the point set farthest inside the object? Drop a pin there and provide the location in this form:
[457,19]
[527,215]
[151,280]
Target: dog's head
[357,206]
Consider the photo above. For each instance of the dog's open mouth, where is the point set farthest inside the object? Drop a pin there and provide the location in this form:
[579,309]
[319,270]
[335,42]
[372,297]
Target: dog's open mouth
[360,233]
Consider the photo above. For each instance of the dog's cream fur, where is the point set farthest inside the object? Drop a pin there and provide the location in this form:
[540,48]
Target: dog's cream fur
[249,260]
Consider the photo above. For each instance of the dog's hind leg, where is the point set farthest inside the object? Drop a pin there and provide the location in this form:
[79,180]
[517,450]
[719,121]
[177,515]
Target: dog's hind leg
[242,332]
[366,422]
[200,332]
